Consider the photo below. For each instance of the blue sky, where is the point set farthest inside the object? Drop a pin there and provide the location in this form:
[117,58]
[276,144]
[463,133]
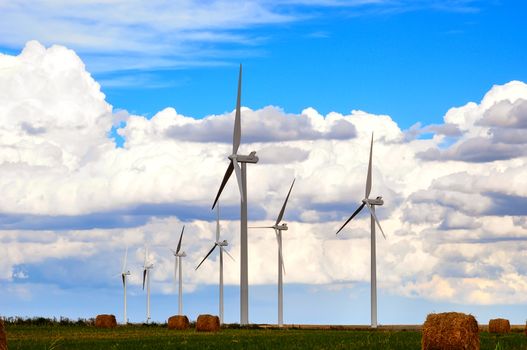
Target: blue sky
[441,83]
[412,64]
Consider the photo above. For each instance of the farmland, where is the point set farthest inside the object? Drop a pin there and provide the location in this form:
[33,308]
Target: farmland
[73,336]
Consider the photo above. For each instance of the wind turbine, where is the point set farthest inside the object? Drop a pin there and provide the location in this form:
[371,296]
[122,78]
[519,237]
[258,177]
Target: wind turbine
[124,273]
[178,254]
[278,231]
[241,177]
[222,245]
[146,278]
[370,204]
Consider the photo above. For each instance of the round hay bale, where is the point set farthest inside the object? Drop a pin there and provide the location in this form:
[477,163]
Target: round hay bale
[499,325]
[208,323]
[450,330]
[3,336]
[105,321]
[178,322]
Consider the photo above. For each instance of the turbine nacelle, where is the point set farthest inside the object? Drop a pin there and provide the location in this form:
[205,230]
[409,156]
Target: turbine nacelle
[251,158]
[222,243]
[181,254]
[127,273]
[376,201]
[282,227]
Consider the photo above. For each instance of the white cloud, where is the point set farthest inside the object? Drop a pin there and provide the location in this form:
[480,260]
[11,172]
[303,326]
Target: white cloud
[456,227]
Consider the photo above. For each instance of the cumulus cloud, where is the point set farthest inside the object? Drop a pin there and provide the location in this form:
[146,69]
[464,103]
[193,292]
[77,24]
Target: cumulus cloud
[454,202]
[491,131]
[269,124]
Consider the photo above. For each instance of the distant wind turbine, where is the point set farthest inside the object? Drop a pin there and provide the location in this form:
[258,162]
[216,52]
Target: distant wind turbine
[178,254]
[124,273]
[370,204]
[147,266]
[241,177]
[222,245]
[278,231]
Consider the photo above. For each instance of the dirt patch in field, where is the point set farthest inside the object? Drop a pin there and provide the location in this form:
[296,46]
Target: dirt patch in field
[450,330]
[499,325]
[178,322]
[105,321]
[208,323]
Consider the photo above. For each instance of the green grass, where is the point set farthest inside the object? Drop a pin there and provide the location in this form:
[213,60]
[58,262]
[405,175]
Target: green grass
[48,337]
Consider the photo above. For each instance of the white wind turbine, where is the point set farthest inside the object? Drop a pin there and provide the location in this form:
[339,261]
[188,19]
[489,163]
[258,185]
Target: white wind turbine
[222,245]
[278,231]
[241,177]
[124,273]
[178,254]
[147,266]
[370,204]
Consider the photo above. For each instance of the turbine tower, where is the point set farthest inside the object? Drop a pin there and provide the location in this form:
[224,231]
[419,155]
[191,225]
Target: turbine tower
[146,278]
[241,177]
[278,231]
[370,204]
[124,273]
[178,254]
[222,245]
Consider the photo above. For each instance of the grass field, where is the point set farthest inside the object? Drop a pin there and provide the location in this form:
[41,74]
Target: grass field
[49,337]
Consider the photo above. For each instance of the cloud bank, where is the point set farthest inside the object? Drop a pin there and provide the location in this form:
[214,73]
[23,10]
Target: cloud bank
[454,202]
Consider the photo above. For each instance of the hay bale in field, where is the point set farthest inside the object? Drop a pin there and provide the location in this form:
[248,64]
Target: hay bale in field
[499,325]
[178,322]
[3,336]
[208,323]
[105,321]
[450,331]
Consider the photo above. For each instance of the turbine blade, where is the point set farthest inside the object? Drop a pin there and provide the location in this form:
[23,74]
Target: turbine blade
[123,278]
[278,236]
[227,252]
[261,227]
[376,220]
[238,172]
[368,178]
[206,256]
[218,224]
[180,238]
[144,278]
[124,260]
[285,203]
[228,173]
[351,217]
[282,261]
[236,135]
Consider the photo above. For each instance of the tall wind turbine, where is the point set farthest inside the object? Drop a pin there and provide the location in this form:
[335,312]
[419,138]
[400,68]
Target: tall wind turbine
[147,266]
[124,273]
[370,204]
[241,177]
[222,245]
[278,231]
[178,254]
